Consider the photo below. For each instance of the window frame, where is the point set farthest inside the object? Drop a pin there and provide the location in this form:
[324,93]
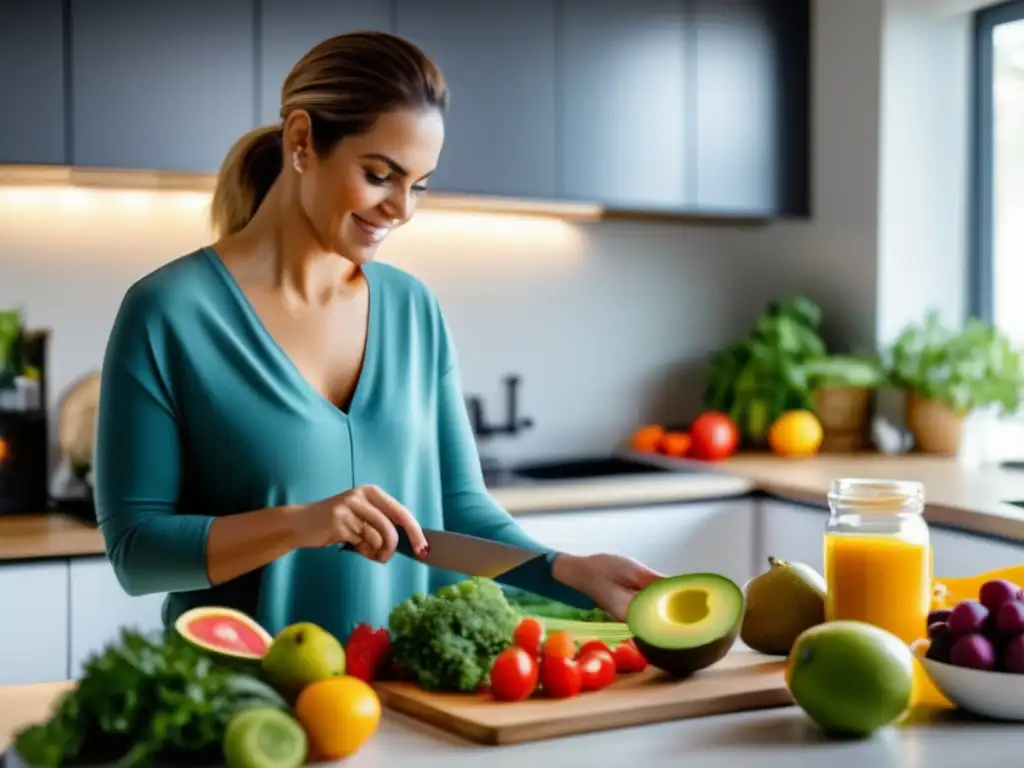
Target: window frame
[981,293]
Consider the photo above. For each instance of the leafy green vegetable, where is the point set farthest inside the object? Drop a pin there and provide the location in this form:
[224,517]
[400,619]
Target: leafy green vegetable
[10,338]
[966,369]
[447,640]
[530,604]
[778,367]
[141,700]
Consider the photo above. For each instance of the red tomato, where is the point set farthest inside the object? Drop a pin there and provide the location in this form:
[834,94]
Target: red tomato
[593,645]
[514,675]
[597,669]
[713,436]
[560,676]
[560,645]
[528,635]
[628,658]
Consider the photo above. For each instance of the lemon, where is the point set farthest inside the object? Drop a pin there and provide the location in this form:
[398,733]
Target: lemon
[795,434]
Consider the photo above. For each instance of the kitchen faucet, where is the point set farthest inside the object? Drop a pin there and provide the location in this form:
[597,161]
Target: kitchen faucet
[514,423]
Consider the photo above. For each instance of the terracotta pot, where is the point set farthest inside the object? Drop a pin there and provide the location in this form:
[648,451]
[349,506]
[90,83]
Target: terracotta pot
[936,427]
[842,409]
[844,413]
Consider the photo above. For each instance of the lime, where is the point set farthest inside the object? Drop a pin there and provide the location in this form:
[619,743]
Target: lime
[264,737]
[850,677]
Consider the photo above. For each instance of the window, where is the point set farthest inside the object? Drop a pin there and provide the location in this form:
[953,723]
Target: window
[998,194]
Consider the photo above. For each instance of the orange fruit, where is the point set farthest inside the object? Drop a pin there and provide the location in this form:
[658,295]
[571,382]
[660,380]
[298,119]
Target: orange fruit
[796,433]
[339,714]
[647,438]
[676,444]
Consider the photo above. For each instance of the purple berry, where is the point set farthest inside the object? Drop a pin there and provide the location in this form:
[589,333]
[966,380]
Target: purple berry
[967,616]
[973,651]
[1010,619]
[1013,656]
[941,642]
[996,592]
[938,615]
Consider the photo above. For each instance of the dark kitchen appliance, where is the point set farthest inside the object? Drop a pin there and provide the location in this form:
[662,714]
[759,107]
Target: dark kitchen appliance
[24,440]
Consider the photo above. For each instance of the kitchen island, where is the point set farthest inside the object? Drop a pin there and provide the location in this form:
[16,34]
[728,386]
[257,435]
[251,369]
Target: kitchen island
[774,738]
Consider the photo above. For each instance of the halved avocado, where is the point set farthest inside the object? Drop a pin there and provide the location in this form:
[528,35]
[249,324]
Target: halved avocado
[682,624]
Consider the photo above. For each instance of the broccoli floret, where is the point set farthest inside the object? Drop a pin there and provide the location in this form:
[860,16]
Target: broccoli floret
[448,640]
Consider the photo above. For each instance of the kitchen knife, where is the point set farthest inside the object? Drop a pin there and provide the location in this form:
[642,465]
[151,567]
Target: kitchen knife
[465,554]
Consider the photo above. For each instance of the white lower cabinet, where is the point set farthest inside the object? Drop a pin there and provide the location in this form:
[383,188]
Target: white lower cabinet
[791,532]
[34,600]
[685,537]
[100,608]
[964,554]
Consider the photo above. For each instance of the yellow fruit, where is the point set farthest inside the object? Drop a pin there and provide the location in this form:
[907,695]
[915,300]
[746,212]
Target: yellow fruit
[796,433]
[339,714]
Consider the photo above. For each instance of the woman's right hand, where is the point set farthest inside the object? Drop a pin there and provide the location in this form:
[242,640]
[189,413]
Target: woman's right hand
[365,517]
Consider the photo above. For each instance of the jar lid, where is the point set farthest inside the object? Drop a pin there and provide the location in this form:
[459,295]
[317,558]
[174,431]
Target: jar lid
[875,494]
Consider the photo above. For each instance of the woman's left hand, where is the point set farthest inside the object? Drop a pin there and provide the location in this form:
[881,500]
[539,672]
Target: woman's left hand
[611,581]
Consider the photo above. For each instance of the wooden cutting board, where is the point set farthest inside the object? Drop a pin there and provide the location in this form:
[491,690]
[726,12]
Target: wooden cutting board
[743,680]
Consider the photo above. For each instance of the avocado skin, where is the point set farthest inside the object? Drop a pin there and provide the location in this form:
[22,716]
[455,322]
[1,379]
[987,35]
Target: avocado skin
[686,661]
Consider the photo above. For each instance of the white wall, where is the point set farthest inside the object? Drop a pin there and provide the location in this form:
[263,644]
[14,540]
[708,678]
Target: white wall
[606,322]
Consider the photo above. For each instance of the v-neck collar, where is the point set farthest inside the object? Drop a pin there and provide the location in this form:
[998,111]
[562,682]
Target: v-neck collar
[369,353]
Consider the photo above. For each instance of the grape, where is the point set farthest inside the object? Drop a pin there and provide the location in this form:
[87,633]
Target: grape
[1010,619]
[941,642]
[938,615]
[967,617]
[1013,656]
[973,651]
[996,592]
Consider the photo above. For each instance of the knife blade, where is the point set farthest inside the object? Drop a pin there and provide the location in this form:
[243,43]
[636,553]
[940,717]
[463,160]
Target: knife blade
[465,554]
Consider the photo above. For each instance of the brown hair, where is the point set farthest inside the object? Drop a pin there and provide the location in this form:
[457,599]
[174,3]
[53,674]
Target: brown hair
[345,83]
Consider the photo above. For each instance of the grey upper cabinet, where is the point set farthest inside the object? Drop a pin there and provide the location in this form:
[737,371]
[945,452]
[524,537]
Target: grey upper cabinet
[32,124]
[499,62]
[624,137]
[750,107]
[166,84]
[289,28]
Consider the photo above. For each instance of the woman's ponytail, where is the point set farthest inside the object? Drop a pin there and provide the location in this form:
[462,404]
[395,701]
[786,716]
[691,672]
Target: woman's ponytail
[252,165]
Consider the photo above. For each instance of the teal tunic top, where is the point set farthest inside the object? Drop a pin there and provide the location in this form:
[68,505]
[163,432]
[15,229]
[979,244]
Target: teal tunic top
[203,414]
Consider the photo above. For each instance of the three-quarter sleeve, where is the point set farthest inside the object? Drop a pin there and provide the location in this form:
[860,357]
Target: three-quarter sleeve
[468,506]
[151,544]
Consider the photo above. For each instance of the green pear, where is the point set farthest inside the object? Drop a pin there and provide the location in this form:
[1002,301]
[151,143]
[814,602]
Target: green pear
[782,602]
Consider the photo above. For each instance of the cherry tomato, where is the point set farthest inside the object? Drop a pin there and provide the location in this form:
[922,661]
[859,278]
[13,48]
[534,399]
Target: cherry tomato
[593,645]
[628,658]
[713,436]
[528,635]
[514,675]
[560,645]
[560,676]
[597,669]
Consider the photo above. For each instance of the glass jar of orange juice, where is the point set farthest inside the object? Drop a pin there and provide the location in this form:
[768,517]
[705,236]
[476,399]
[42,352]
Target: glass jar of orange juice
[878,559]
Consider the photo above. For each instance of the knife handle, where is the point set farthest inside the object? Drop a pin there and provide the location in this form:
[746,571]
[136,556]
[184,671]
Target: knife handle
[404,546]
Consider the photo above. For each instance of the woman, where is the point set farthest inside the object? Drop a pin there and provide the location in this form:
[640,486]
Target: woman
[277,394]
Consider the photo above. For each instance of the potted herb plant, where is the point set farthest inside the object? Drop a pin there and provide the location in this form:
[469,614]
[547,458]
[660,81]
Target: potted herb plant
[947,373]
[842,387]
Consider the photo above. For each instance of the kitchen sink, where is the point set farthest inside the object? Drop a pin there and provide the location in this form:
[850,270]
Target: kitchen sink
[586,468]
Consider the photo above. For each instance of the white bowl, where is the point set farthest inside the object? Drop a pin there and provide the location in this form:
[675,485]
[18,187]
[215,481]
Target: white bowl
[997,695]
